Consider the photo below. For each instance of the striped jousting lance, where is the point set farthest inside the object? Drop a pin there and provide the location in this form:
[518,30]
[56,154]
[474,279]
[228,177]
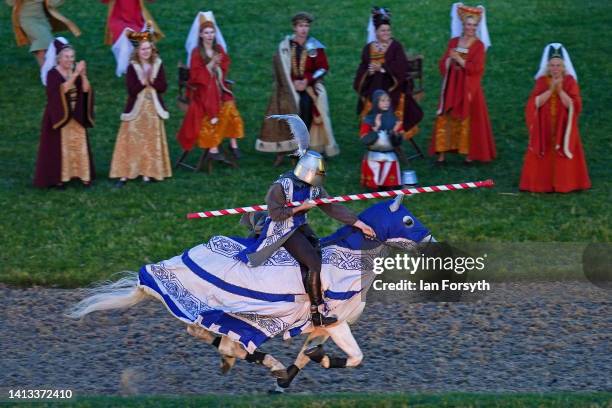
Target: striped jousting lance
[352,197]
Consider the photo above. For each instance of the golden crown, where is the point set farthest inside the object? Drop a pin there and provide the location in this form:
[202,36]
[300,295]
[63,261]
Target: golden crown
[205,23]
[141,36]
[469,12]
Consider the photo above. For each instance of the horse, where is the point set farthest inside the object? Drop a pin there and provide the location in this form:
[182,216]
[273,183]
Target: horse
[236,308]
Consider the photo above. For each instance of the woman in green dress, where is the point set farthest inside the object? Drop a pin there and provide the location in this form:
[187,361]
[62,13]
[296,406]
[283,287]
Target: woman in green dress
[34,21]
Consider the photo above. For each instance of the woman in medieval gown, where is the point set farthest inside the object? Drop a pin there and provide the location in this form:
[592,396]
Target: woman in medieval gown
[212,114]
[462,124]
[64,152]
[384,66]
[554,160]
[34,21]
[141,148]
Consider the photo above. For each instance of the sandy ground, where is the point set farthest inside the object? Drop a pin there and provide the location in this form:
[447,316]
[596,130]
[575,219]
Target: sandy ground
[520,337]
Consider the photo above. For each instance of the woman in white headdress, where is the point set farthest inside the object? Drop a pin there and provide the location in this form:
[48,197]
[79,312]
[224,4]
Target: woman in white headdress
[554,161]
[64,152]
[384,66]
[141,148]
[462,124]
[212,114]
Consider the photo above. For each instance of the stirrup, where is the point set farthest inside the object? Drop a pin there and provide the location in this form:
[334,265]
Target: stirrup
[320,320]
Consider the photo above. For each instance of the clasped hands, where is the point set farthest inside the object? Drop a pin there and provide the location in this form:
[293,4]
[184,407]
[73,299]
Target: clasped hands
[374,67]
[215,60]
[454,55]
[80,69]
[377,123]
[556,84]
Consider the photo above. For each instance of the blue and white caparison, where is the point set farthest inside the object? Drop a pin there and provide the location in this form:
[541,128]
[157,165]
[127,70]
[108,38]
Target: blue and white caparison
[207,286]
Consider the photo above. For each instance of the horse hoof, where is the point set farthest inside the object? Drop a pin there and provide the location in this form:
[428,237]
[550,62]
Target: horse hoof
[280,374]
[226,364]
[315,353]
[292,371]
[276,391]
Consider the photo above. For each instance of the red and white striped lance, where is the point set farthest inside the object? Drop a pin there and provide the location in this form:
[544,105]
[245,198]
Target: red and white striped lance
[351,197]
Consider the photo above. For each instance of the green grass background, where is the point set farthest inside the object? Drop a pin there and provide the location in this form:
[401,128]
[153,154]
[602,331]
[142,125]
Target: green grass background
[349,400]
[73,237]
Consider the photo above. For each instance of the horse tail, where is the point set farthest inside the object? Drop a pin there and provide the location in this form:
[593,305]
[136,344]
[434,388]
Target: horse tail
[121,294]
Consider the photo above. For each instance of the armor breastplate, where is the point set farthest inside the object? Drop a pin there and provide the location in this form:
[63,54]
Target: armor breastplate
[383,142]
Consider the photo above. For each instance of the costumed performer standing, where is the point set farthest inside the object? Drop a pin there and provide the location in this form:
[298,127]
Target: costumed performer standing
[141,148]
[384,66]
[212,114]
[299,66]
[381,131]
[554,161]
[64,152]
[34,21]
[462,124]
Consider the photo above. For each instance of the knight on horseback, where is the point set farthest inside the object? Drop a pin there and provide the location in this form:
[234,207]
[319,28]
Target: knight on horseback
[288,226]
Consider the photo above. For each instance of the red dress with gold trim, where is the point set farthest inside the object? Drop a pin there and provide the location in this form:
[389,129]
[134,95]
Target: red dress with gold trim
[209,98]
[463,122]
[554,161]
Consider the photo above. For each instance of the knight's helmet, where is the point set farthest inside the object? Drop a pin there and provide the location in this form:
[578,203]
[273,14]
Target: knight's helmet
[311,168]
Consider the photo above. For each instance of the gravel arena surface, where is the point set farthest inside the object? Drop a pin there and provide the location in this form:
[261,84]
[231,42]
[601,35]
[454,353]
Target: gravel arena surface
[528,337]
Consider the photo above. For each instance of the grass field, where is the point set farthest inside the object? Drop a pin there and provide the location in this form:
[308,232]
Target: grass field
[591,400]
[73,237]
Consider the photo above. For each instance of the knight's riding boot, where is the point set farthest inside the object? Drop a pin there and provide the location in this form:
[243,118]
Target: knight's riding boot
[316,299]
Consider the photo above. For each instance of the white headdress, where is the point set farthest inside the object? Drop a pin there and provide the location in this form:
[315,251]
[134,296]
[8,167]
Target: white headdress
[371,31]
[194,33]
[50,58]
[122,49]
[479,12]
[558,48]
[381,12]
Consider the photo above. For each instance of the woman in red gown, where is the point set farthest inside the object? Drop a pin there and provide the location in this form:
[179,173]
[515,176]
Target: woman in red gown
[212,114]
[130,14]
[554,161]
[462,124]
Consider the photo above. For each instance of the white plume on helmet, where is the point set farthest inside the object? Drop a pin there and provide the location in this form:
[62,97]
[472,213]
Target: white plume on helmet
[311,166]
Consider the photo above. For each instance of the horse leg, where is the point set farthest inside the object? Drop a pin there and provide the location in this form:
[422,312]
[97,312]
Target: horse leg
[317,337]
[227,361]
[230,351]
[201,333]
[342,336]
[230,348]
